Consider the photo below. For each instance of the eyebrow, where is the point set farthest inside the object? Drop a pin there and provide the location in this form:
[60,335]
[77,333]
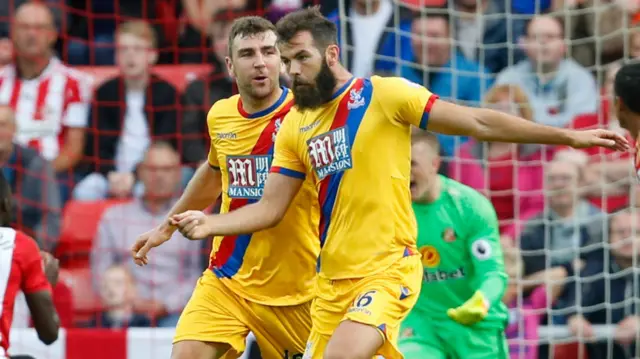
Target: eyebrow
[251,49]
[303,51]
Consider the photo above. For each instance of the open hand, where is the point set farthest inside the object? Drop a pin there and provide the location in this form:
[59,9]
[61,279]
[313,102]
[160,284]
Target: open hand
[148,240]
[192,224]
[599,138]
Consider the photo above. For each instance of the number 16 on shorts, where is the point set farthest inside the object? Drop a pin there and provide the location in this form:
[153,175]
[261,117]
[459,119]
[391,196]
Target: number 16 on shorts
[362,302]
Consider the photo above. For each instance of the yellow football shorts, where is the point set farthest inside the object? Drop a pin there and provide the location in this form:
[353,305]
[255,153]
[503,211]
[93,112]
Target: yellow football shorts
[382,300]
[218,315]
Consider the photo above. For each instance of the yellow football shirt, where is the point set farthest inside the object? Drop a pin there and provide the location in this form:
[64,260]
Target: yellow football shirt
[274,266]
[357,149]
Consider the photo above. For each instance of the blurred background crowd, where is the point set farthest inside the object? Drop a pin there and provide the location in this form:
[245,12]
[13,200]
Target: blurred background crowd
[100,138]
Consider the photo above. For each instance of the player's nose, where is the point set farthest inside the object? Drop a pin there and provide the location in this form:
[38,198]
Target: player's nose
[294,69]
[259,61]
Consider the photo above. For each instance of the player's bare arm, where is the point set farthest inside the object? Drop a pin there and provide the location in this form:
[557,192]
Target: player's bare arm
[279,191]
[203,189]
[40,303]
[44,315]
[490,125]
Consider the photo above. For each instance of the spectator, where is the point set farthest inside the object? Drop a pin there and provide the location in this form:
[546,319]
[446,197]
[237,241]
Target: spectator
[567,227]
[36,194]
[559,89]
[609,295]
[441,67]
[526,312]
[130,111]
[165,285]
[373,27]
[50,100]
[204,92]
[118,295]
[8,11]
[481,30]
[594,29]
[510,175]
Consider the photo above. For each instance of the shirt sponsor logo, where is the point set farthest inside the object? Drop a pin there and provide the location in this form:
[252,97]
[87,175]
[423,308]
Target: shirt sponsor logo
[330,152]
[247,175]
[443,275]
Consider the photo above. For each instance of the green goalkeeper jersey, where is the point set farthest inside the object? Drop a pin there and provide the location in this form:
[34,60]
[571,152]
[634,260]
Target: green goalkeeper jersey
[459,240]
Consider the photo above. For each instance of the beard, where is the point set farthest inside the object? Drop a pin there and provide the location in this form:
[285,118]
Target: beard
[309,96]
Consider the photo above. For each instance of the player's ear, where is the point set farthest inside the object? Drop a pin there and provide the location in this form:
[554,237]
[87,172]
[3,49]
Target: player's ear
[332,54]
[227,61]
[437,162]
[618,104]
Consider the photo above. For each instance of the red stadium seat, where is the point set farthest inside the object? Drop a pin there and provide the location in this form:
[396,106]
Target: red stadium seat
[86,301]
[570,351]
[178,75]
[79,225]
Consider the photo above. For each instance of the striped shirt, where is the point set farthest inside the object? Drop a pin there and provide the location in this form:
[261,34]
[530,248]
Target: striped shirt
[45,106]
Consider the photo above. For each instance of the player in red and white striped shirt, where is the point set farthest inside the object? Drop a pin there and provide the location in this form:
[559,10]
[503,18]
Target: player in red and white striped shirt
[51,100]
[22,268]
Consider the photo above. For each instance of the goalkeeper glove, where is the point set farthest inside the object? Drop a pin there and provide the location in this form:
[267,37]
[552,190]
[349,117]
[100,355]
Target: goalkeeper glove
[472,311]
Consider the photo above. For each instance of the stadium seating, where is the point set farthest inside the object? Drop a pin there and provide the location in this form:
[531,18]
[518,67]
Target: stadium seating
[79,226]
[85,300]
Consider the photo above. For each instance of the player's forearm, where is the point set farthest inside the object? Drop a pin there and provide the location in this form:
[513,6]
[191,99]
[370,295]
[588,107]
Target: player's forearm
[248,219]
[493,287]
[495,126]
[203,190]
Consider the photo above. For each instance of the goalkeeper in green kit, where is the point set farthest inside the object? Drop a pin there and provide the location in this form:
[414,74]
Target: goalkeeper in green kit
[459,314]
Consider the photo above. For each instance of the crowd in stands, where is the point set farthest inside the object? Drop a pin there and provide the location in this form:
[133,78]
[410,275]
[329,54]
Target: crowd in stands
[94,159]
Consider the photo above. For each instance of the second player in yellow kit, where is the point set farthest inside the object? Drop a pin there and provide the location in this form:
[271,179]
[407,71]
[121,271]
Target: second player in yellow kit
[263,278]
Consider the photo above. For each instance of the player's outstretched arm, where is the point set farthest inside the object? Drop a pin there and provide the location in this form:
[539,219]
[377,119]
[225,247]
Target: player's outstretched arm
[278,193]
[489,125]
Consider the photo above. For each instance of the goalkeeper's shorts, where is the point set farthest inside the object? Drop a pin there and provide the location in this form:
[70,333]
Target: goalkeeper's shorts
[445,339]
[218,315]
[382,301]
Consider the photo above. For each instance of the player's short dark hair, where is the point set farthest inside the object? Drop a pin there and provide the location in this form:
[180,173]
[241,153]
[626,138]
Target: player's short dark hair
[428,137]
[248,26]
[627,85]
[323,31]
[6,202]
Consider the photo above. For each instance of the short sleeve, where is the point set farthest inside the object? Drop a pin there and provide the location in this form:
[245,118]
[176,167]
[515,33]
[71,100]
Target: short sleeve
[31,266]
[77,99]
[213,155]
[410,102]
[286,159]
